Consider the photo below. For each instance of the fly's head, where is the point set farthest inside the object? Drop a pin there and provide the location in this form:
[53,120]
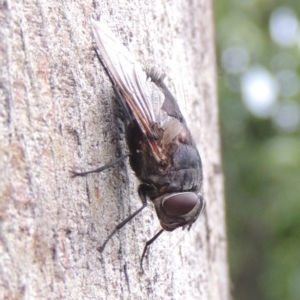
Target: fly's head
[178,209]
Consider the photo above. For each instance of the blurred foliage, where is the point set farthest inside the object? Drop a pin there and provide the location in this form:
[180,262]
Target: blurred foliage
[261,161]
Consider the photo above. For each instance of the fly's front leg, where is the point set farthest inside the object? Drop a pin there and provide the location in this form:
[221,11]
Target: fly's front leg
[142,190]
[147,245]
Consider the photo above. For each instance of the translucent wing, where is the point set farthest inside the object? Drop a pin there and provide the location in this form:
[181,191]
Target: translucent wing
[159,121]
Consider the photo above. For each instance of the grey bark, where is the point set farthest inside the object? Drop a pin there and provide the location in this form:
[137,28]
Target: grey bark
[58,113]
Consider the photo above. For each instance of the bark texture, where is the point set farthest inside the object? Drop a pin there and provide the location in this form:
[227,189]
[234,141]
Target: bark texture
[58,113]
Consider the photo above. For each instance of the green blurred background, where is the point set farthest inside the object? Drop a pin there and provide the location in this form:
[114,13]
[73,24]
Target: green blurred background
[258,50]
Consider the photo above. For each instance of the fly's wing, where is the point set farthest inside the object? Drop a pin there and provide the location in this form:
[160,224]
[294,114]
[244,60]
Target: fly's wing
[145,97]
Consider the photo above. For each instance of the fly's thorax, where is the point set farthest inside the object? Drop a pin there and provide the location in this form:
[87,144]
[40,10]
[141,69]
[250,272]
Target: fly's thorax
[178,209]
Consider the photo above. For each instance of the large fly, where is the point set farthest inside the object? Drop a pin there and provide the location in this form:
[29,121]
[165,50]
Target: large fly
[163,154]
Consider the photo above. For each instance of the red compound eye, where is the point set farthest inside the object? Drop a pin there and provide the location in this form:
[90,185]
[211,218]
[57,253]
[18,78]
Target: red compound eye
[180,204]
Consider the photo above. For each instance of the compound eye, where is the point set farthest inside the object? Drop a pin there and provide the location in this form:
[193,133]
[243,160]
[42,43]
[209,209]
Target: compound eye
[180,204]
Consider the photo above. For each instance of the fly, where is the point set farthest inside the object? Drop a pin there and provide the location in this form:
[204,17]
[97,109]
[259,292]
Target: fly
[163,153]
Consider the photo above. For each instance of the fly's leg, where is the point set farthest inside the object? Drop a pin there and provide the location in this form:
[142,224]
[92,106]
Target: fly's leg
[147,245]
[107,166]
[142,190]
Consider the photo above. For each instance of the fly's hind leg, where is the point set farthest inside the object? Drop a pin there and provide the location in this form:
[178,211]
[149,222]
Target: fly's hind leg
[98,170]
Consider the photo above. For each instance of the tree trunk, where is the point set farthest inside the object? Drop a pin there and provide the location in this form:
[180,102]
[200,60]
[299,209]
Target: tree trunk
[58,112]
